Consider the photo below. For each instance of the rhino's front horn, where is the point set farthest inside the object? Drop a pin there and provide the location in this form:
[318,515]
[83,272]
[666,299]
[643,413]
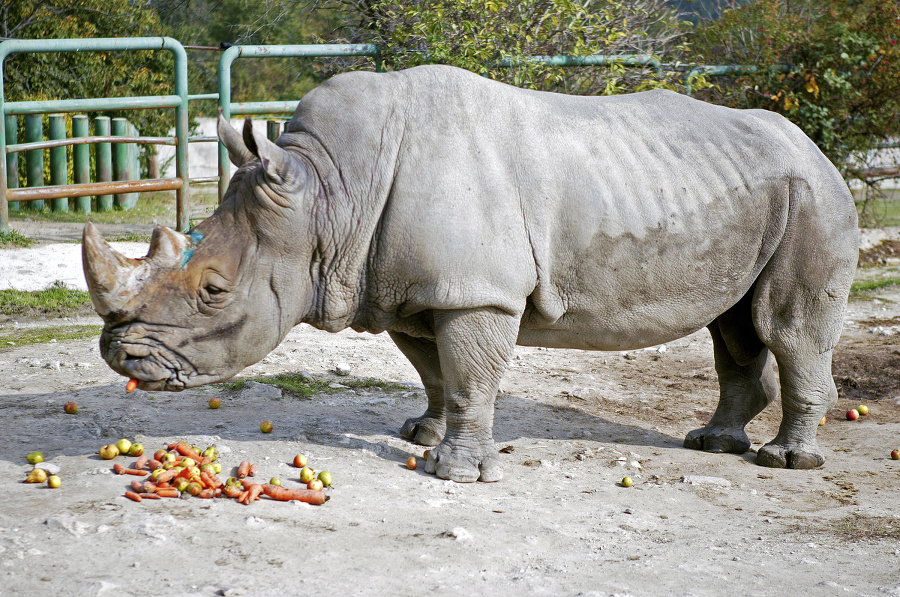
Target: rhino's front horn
[107,272]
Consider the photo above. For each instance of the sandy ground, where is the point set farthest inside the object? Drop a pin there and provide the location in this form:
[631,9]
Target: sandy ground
[571,425]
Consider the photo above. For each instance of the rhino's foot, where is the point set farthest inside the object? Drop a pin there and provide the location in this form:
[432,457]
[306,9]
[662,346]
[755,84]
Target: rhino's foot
[465,463]
[718,439]
[775,455]
[424,430]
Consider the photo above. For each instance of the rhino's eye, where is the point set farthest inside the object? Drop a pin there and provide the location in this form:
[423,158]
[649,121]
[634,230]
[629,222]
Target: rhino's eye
[213,290]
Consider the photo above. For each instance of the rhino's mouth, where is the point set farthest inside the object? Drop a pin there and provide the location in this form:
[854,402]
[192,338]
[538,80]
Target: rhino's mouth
[139,352]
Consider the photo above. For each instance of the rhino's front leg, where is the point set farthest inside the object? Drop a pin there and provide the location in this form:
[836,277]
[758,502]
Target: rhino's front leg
[474,347]
[428,429]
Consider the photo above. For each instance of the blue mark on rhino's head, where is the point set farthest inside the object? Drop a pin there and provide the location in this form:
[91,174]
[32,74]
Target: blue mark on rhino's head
[186,255]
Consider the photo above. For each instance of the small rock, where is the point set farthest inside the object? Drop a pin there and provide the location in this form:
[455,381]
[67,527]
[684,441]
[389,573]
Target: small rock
[458,533]
[51,468]
[55,365]
[342,369]
[700,480]
[337,386]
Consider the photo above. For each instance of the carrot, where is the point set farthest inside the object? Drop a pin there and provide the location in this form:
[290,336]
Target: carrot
[154,464]
[137,486]
[243,469]
[148,486]
[184,449]
[210,480]
[207,494]
[132,496]
[118,468]
[141,463]
[121,470]
[166,476]
[232,491]
[252,494]
[252,472]
[168,492]
[150,496]
[131,385]
[282,494]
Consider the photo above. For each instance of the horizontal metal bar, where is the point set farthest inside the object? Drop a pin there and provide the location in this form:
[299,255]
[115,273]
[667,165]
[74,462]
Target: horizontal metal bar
[202,139]
[92,105]
[204,179]
[94,188]
[203,96]
[100,44]
[591,60]
[311,51]
[263,108]
[87,140]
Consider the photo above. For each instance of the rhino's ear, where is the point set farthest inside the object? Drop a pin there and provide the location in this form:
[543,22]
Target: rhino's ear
[275,161]
[233,142]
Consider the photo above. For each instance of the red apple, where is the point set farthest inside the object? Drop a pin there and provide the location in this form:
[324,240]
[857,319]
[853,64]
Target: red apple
[299,460]
[215,403]
[266,427]
[411,463]
[315,485]
[70,408]
[852,414]
[895,454]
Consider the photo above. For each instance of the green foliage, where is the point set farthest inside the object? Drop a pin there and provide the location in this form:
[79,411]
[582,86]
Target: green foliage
[10,338]
[841,79]
[15,240]
[55,301]
[483,35]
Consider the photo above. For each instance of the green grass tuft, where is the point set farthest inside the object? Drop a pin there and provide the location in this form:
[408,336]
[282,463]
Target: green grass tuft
[296,383]
[870,285]
[24,336]
[55,301]
[15,240]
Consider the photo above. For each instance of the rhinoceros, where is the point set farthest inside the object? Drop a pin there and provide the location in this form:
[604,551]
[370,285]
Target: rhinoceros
[464,216]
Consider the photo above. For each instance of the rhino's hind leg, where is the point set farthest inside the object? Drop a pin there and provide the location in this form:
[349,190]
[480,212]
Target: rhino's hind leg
[474,347]
[428,429]
[745,388]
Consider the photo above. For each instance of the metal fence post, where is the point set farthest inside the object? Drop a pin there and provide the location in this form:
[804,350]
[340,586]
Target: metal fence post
[34,159]
[120,170]
[59,164]
[81,160]
[12,159]
[104,162]
[272,130]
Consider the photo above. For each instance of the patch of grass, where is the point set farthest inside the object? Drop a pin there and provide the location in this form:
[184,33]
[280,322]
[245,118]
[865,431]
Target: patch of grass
[296,383]
[24,336]
[55,301]
[870,285]
[15,240]
[131,237]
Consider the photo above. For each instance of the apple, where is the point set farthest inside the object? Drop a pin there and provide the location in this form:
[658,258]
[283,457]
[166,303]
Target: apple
[180,483]
[188,462]
[325,478]
[306,474]
[136,450]
[53,482]
[158,455]
[627,482]
[70,408]
[862,409]
[35,458]
[214,403]
[211,452]
[168,457]
[232,481]
[266,427]
[275,481]
[155,474]
[411,463]
[109,451]
[300,461]
[895,455]
[217,467]
[822,422]
[194,488]
[315,485]
[852,414]
[123,445]
[37,475]
[425,454]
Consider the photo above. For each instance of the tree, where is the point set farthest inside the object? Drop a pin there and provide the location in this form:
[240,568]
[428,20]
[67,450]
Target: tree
[830,66]
[484,35]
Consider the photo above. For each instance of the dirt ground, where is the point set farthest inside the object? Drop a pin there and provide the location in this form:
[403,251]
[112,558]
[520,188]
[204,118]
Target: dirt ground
[571,425]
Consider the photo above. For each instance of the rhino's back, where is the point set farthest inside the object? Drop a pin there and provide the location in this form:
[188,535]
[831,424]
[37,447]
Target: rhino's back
[614,216]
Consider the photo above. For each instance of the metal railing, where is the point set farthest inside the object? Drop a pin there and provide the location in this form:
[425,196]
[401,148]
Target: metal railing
[178,100]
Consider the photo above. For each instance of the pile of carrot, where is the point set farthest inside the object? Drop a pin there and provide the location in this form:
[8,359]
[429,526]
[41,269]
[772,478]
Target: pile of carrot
[204,485]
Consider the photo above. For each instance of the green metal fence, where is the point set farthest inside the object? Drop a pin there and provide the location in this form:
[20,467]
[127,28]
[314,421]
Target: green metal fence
[178,101]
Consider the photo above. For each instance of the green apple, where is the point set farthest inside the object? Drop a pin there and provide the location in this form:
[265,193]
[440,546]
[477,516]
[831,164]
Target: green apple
[53,482]
[35,458]
[109,451]
[136,450]
[627,482]
[123,445]
[325,478]
[306,475]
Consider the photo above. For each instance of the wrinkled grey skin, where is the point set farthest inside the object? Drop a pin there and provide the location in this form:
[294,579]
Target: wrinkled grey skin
[464,216]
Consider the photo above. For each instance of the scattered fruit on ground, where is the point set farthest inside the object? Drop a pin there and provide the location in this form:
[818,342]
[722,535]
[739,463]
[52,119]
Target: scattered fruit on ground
[35,458]
[895,454]
[627,482]
[275,481]
[215,403]
[217,467]
[266,427]
[299,460]
[136,450]
[411,463]
[315,485]
[425,455]
[822,422]
[123,445]
[325,478]
[862,409]
[70,408]
[37,475]
[108,452]
[852,414]
[306,474]
[53,482]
